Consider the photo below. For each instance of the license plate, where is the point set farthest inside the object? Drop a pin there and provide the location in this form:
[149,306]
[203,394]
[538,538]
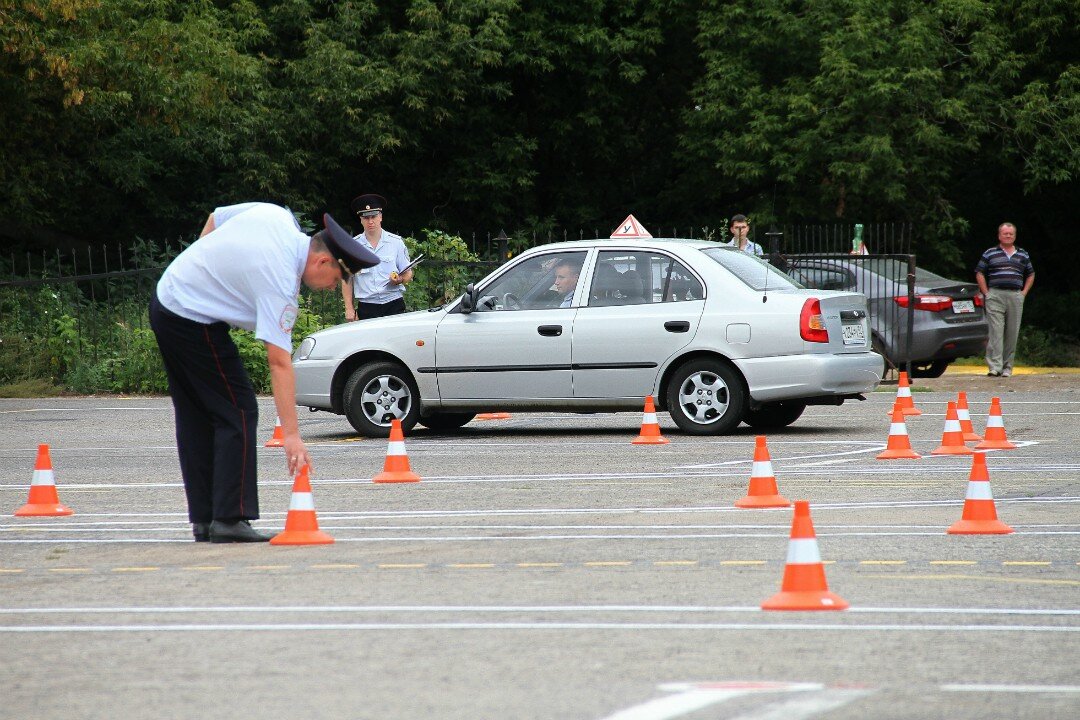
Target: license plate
[963,306]
[854,334]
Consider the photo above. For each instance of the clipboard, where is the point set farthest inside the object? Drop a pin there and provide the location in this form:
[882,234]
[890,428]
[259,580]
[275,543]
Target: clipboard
[419,258]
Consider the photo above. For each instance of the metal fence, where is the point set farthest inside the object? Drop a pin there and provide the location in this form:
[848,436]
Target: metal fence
[96,298]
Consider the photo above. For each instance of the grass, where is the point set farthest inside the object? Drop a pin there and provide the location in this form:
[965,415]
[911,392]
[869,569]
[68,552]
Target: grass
[32,388]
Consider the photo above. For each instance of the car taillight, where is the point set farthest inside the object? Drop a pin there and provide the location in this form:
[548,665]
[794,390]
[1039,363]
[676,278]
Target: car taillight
[931,303]
[812,323]
[979,300]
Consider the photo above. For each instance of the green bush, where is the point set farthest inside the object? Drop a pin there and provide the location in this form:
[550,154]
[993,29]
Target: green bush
[1043,348]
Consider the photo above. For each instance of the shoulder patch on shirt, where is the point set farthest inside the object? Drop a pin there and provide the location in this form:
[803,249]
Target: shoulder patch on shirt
[288,318]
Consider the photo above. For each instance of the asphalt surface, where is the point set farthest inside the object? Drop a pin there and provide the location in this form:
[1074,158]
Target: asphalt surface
[546,568]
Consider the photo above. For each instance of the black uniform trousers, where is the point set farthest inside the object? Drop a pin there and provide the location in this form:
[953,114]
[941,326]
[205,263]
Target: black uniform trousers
[216,416]
[367,310]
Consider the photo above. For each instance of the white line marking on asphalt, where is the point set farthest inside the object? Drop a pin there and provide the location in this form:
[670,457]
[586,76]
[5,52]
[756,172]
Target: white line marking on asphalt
[808,706]
[693,697]
[385,627]
[1013,688]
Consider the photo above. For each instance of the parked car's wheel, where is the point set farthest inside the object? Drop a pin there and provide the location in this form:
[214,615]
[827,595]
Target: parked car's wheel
[446,420]
[706,397]
[774,415]
[879,347]
[378,393]
[931,369]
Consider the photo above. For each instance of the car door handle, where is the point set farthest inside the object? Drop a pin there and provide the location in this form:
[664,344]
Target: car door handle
[677,326]
[550,330]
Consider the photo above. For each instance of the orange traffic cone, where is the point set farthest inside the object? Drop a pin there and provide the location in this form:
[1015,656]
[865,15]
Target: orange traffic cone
[278,439]
[301,525]
[762,492]
[650,428]
[964,417]
[804,586]
[43,500]
[952,439]
[396,469]
[903,396]
[493,416]
[980,515]
[995,430]
[899,445]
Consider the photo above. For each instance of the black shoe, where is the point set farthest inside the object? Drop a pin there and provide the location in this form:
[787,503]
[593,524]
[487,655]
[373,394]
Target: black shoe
[993,374]
[201,531]
[235,532]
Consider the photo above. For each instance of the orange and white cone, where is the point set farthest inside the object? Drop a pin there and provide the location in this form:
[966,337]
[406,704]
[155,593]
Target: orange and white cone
[650,428]
[43,500]
[964,417]
[952,439]
[493,416]
[995,430]
[980,514]
[903,396]
[301,525]
[278,439]
[396,469]
[899,444]
[762,492]
[804,586]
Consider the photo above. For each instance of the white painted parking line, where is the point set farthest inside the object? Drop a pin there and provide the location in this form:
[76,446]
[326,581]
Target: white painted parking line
[690,697]
[1013,688]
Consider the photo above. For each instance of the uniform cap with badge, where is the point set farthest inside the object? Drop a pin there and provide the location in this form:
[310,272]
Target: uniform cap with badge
[350,254]
[368,205]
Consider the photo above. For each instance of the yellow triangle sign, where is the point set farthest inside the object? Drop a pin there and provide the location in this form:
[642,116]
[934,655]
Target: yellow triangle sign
[630,228]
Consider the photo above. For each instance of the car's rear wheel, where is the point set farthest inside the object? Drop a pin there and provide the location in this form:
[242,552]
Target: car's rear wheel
[706,397]
[879,347]
[774,415]
[932,369]
[377,394]
[443,421]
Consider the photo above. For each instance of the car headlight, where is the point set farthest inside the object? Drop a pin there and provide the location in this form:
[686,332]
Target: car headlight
[306,346]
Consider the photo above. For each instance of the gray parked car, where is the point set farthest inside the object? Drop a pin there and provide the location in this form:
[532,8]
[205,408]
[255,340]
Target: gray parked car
[948,322]
[715,335]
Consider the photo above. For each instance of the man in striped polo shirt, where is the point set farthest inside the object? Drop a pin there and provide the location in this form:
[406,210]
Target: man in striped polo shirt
[1005,276]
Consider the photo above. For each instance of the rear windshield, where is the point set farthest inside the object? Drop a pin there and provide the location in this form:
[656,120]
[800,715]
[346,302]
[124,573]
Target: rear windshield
[753,271]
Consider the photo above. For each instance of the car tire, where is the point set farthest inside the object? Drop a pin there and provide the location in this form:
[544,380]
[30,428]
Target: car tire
[378,393]
[879,347]
[706,397]
[444,421]
[933,369]
[774,415]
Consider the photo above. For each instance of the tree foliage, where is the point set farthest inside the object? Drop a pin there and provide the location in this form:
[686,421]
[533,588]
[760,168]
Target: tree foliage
[122,117]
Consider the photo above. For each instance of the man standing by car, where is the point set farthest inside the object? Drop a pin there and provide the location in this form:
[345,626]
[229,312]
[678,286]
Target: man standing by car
[740,231]
[377,291]
[1005,275]
[244,271]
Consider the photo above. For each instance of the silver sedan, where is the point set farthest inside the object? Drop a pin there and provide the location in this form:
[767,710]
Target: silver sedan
[717,336]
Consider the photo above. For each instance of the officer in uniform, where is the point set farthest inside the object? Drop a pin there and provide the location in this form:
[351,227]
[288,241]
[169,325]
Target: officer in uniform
[378,291]
[244,271]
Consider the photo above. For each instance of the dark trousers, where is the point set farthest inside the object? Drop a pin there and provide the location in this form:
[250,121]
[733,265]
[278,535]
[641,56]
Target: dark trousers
[366,311]
[216,416]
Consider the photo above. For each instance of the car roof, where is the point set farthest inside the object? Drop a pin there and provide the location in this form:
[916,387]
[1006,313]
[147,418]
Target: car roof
[622,243]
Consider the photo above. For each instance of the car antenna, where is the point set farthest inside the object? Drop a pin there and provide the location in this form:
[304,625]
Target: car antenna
[774,250]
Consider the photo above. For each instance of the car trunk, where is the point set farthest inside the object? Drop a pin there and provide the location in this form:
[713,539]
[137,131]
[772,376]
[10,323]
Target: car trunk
[846,320]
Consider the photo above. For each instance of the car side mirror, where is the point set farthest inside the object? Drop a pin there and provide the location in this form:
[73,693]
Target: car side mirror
[468,300]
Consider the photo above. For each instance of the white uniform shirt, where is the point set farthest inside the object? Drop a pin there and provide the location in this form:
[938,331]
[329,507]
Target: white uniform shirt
[245,273]
[752,248]
[372,285]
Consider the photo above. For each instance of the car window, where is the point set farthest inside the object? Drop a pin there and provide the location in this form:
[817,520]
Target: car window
[753,271]
[625,277]
[823,278]
[544,281]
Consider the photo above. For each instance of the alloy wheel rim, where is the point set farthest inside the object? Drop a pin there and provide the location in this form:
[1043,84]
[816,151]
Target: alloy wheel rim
[704,398]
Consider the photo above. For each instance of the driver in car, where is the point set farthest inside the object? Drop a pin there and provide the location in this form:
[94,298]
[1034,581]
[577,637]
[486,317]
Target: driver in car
[566,277]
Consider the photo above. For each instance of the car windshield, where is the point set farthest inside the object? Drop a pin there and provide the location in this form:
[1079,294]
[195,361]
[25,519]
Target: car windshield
[752,270]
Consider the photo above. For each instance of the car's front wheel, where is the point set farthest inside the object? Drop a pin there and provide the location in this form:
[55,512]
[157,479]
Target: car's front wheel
[377,394]
[706,397]
[443,421]
[774,415]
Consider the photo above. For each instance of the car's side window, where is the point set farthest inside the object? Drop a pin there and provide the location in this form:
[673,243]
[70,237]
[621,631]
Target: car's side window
[545,281]
[633,278]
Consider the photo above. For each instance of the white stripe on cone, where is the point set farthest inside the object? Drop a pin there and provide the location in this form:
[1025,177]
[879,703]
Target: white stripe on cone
[396,447]
[903,392]
[994,421]
[43,477]
[649,419]
[762,469]
[963,414]
[952,426]
[898,429]
[803,552]
[302,501]
[979,490]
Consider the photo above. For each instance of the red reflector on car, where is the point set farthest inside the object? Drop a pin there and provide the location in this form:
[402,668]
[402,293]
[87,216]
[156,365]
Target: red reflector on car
[979,300]
[931,303]
[812,323]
